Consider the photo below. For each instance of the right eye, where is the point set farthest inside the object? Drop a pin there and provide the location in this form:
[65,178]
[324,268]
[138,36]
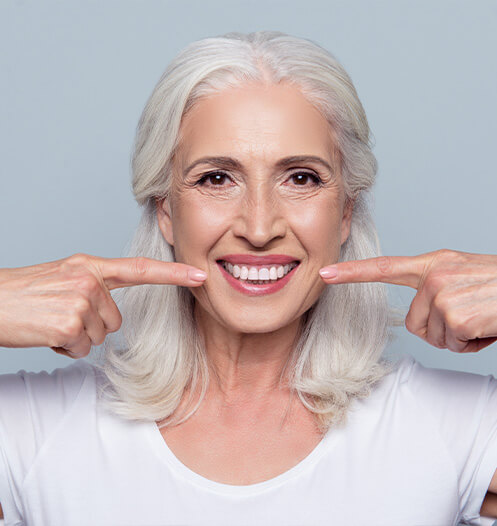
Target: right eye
[216,178]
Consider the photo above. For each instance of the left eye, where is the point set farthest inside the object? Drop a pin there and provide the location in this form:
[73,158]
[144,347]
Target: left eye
[300,177]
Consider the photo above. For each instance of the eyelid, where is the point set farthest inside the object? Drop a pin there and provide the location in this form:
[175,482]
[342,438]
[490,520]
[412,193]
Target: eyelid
[311,173]
[205,175]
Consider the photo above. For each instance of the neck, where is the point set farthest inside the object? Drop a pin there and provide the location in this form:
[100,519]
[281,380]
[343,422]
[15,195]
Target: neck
[246,365]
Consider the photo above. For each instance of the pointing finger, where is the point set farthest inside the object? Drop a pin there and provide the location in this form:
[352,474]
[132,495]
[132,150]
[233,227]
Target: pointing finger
[127,272]
[399,270]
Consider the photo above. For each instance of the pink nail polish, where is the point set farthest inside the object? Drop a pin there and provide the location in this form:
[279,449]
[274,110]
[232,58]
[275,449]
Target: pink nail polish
[329,272]
[197,275]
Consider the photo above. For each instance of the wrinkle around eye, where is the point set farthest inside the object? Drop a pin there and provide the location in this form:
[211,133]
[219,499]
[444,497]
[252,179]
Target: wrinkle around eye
[230,188]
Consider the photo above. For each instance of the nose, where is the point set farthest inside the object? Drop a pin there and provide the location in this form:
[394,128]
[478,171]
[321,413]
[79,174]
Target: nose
[259,219]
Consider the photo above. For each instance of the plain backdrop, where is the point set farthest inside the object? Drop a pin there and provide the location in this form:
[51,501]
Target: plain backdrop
[76,76]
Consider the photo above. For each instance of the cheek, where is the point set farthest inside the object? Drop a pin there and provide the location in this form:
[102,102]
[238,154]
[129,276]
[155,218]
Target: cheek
[198,222]
[317,225]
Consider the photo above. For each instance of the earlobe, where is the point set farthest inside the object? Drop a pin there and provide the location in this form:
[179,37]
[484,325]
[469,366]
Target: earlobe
[164,220]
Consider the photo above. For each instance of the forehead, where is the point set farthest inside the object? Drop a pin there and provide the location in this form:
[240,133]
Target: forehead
[255,122]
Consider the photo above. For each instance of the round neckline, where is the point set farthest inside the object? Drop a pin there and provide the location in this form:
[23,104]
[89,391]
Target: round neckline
[165,453]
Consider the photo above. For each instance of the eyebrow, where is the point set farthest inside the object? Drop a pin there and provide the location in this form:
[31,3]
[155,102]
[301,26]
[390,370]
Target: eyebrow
[230,163]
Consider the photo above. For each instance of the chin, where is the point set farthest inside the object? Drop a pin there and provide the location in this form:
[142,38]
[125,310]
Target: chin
[257,324]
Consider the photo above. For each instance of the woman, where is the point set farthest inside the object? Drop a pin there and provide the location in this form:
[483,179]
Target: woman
[255,391]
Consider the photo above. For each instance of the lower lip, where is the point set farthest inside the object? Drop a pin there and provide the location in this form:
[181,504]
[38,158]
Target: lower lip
[253,289]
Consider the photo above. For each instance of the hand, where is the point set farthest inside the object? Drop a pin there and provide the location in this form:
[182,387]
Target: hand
[66,304]
[455,306]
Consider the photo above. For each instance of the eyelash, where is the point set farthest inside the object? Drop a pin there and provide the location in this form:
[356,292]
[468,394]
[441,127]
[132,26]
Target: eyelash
[317,180]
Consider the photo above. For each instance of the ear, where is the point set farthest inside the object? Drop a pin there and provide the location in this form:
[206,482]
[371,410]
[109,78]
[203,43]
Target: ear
[164,219]
[346,219]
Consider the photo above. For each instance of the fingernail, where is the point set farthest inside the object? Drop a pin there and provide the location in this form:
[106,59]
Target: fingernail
[328,272]
[197,275]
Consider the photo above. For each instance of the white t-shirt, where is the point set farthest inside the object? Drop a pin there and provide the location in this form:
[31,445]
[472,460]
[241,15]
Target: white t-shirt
[419,451]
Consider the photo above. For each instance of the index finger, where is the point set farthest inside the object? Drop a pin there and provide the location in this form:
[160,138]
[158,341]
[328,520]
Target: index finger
[399,270]
[127,272]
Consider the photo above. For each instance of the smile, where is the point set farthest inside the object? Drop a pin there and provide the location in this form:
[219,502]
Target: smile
[256,280]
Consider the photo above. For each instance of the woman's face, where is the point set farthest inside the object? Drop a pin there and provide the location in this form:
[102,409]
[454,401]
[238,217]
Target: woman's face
[255,204]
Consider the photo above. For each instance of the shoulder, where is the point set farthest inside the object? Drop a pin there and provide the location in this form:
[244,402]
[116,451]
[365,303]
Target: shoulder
[451,397]
[32,403]
[457,408]
[449,392]
[461,409]
[37,388]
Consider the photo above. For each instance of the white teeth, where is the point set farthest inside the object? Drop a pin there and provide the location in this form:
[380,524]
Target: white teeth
[264,274]
[253,273]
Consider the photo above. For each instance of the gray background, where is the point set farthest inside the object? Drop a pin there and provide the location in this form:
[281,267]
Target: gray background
[76,75]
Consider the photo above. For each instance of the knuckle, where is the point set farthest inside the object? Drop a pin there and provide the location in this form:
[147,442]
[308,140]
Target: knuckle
[81,304]
[88,284]
[442,302]
[450,256]
[384,264]
[456,321]
[78,259]
[71,328]
[177,274]
[140,266]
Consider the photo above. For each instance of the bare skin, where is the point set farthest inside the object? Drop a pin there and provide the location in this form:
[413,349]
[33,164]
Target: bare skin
[244,431]
[298,210]
[248,429]
[66,304]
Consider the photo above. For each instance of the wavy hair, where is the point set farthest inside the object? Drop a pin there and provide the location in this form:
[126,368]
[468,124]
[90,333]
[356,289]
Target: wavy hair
[338,354]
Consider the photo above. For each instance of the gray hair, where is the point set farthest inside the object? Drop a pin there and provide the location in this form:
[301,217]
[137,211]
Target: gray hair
[338,355]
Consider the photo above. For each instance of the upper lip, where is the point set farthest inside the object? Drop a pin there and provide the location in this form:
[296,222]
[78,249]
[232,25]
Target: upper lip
[280,259]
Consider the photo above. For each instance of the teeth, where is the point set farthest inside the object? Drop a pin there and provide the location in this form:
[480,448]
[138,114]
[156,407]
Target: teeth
[254,274]
[261,275]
